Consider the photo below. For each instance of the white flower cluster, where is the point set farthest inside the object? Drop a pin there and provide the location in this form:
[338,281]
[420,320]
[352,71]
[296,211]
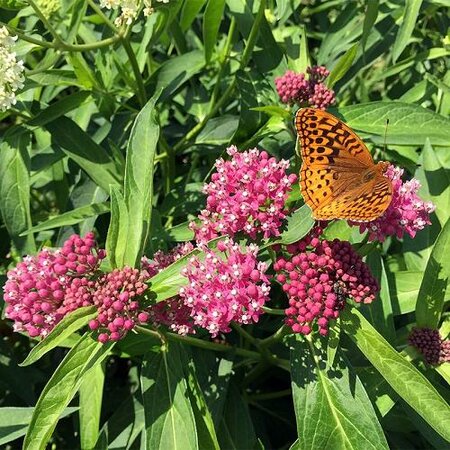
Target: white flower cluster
[11,70]
[129,9]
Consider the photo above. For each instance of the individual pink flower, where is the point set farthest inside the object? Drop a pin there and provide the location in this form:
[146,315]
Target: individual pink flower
[35,289]
[318,276]
[171,312]
[298,88]
[228,284]
[428,341]
[406,213]
[117,298]
[247,194]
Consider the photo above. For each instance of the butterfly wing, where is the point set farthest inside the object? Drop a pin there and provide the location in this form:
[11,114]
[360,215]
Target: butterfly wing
[334,160]
[364,203]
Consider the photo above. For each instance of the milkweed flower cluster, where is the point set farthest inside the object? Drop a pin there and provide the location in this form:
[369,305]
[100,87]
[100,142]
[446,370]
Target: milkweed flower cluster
[246,194]
[305,89]
[11,70]
[116,296]
[428,341]
[172,312]
[129,9]
[35,290]
[406,213]
[317,276]
[229,284]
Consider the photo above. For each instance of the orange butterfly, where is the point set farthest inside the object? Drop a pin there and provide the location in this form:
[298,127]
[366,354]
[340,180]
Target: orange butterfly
[338,178]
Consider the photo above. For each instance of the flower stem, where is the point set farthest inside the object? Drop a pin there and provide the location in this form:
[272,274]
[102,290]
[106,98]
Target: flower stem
[277,336]
[200,343]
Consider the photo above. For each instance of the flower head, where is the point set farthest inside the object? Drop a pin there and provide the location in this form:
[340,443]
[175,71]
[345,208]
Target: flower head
[406,213]
[428,341]
[227,285]
[317,277]
[298,88]
[129,9]
[11,70]
[247,194]
[171,312]
[116,296]
[35,291]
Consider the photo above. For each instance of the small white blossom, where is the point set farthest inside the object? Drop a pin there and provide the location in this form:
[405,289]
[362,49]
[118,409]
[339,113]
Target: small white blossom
[11,70]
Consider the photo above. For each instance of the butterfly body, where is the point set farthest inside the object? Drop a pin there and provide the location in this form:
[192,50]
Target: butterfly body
[338,177]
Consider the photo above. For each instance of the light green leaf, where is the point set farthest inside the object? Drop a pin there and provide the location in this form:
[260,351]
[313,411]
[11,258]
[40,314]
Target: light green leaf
[369,20]
[117,238]
[138,183]
[60,390]
[298,225]
[91,393]
[403,377]
[430,299]
[342,66]
[68,325]
[410,14]
[409,124]
[71,217]
[169,419]
[14,422]
[189,12]
[332,408]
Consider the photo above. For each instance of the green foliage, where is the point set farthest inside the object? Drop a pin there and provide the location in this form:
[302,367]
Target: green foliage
[117,129]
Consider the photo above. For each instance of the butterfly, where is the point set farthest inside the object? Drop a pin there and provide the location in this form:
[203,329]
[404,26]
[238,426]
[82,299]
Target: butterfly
[338,178]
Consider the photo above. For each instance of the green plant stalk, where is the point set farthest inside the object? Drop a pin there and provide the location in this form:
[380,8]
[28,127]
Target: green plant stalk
[141,93]
[199,343]
[276,337]
[105,19]
[225,96]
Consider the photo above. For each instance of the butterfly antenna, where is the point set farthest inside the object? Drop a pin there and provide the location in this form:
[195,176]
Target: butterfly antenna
[385,135]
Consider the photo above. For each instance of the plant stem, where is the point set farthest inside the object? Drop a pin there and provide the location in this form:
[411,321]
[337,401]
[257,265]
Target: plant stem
[200,343]
[277,336]
[225,96]
[141,93]
[273,311]
[248,337]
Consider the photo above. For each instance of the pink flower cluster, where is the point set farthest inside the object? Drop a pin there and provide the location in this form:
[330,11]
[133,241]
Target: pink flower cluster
[317,277]
[247,194]
[35,289]
[115,294]
[295,87]
[171,312]
[406,213]
[227,285]
[427,341]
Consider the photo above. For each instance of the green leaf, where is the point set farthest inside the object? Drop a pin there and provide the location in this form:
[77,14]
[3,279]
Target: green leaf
[15,188]
[207,438]
[71,217]
[13,4]
[409,124]
[403,377]
[117,238]
[176,71]
[59,108]
[304,60]
[410,14]
[91,393]
[14,422]
[189,12]
[181,232]
[169,419]
[167,282]
[342,66]
[430,299]
[90,156]
[218,130]
[369,20]
[211,23]
[236,429]
[138,183]
[332,408]
[380,311]
[68,325]
[298,225]
[61,388]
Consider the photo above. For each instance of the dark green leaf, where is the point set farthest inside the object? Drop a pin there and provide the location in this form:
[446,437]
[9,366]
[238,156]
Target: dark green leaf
[342,66]
[298,225]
